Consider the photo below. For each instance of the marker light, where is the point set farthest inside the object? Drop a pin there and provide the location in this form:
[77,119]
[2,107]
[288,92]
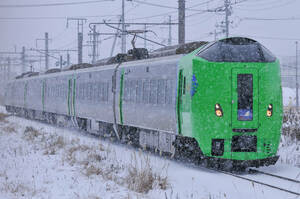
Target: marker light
[270,110]
[218,110]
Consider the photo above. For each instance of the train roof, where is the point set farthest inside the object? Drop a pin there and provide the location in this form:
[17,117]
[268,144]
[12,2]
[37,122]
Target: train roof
[149,62]
[165,54]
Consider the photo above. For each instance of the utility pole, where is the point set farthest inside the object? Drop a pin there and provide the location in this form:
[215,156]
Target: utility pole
[8,68]
[123,28]
[80,22]
[23,59]
[181,21]
[46,51]
[80,46]
[94,42]
[170,31]
[145,36]
[227,14]
[60,61]
[68,59]
[297,85]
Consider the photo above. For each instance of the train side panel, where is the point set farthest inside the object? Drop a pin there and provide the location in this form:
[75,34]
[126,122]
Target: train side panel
[94,95]
[149,95]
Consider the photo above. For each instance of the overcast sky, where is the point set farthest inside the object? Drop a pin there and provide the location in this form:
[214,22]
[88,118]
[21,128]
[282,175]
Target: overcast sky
[17,30]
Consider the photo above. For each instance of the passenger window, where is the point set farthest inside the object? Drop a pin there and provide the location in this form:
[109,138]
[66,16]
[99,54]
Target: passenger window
[236,50]
[169,88]
[132,91]
[139,90]
[269,57]
[161,91]
[146,88]
[153,91]
[126,93]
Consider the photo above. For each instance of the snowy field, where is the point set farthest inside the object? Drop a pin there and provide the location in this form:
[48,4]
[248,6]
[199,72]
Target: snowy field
[289,96]
[43,161]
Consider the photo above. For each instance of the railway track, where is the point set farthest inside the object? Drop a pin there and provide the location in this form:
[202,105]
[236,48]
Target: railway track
[287,188]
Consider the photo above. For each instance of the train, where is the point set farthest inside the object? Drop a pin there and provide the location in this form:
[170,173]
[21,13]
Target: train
[220,103]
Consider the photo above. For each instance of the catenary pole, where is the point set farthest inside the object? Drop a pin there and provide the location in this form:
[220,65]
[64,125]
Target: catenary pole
[23,59]
[170,31]
[94,44]
[181,21]
[227,13]
[123,28]
[297,85]
[46,51]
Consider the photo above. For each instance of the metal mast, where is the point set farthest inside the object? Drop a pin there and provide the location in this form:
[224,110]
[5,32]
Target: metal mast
[297,85]
[123,28]
[80,22]
[94,44]
[170,32]
[46,51]
[181,21]
[227,13]
[23,59]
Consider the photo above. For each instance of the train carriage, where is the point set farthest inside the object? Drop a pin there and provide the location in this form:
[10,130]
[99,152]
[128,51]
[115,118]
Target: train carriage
[220,103]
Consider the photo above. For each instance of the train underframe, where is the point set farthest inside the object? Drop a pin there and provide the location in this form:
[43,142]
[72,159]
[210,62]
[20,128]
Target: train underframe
[185,149]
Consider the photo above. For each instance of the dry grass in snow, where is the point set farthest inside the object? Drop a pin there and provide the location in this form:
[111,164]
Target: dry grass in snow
[289,149]
[92,163]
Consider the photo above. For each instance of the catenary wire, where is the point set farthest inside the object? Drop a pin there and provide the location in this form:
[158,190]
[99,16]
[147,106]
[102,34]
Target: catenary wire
[49,4]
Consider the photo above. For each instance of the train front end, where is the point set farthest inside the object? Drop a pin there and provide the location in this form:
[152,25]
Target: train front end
[235,106]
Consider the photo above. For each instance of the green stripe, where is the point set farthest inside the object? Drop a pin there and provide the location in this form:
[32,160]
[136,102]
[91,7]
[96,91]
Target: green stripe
[43,95]
[69,93]
[121,97]
[179,98]
[74,95]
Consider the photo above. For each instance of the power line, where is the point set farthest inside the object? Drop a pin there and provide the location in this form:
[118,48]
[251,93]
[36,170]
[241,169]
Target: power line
[272,38]
[49,4]
[52,18]
[268,7]
[170,7]
[171,12]
[271,19]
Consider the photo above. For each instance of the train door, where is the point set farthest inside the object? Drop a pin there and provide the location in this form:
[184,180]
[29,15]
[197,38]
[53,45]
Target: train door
[245,99]
[179,101]
[71,97]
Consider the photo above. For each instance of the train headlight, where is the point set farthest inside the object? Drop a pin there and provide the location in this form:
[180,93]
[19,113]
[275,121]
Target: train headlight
[270,110]
[218,110]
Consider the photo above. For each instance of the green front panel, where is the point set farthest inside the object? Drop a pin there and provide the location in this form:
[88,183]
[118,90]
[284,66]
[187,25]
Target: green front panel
[210,83]
[214,83]
[245,100]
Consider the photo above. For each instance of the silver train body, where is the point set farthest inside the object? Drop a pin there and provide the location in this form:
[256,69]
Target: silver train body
[148,102]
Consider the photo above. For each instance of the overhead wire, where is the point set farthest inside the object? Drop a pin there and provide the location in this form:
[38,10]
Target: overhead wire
[52,18]
[269,7]
[49,4]
[271,19]
[271,38]
[170,7]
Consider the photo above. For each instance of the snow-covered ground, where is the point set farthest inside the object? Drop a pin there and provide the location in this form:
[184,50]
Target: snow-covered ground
[289,96]
[42,161]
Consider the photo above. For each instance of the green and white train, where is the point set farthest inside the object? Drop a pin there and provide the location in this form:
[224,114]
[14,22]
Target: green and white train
[220,104]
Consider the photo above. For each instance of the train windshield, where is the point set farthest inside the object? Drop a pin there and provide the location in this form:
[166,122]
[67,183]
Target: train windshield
[245,97]
[237,50]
